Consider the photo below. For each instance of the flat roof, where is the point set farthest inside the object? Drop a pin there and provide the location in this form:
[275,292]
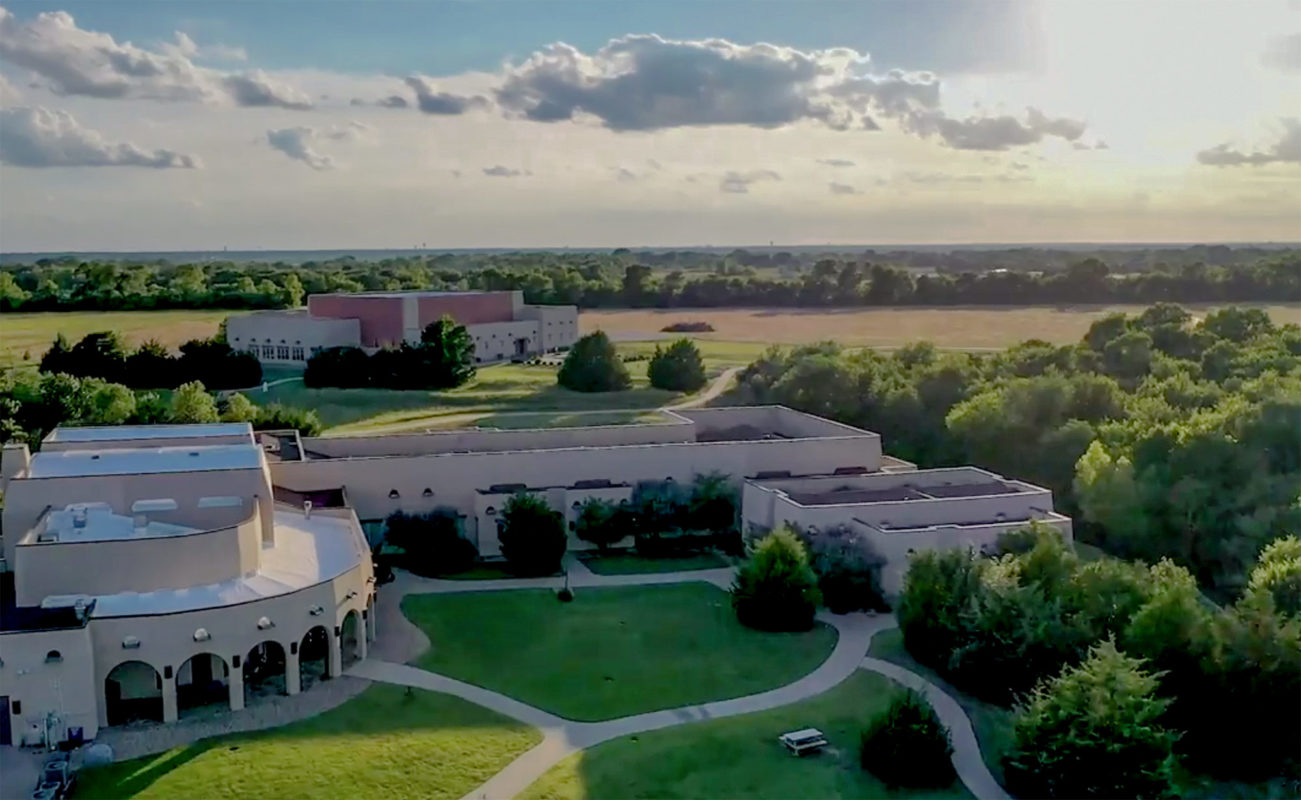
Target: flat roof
[413,293]
[122,433]
[144,461]
[97,523]
[901,494]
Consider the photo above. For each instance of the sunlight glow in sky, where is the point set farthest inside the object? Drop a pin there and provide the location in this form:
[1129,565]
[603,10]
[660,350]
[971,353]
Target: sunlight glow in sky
[489,123]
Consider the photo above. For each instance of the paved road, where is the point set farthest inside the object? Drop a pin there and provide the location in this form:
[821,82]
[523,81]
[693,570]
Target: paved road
[563,737]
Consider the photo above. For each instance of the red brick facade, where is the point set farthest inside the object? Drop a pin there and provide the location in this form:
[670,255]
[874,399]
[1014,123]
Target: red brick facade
[467,309]
[381,314]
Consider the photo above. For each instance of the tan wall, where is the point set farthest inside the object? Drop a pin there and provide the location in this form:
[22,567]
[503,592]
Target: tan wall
[455,477]
[66,688]
[483,529]
[910,513]
[499,440]
[136,565]
[495,341]
[557,325]
[290,329]
[49,446]
[27,499]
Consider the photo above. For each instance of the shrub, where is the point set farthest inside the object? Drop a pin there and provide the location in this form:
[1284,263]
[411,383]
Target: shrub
[532,536]
[217,365]
[677,367]
[431,543]
[713,503]
[593,366]
[279,417]
[192,403]
[775,588]
[601,522]
[907,745]
[1093,731]
[848,569]
[343,367]
[688,326]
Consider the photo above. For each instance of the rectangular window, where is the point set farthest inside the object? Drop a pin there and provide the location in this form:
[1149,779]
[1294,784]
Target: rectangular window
[282,352]
[298,354]
[268,351]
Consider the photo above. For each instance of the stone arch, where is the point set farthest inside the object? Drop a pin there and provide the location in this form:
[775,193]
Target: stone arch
[133,690]
[264,670]
[203,680]
[314,656]
[350,635]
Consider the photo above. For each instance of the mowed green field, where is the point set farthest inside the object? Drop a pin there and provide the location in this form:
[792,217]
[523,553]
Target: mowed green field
[387,742]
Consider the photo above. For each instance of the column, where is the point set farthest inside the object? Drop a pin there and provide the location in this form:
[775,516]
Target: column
[361,640]
[371,620]
[235,687]
[169,700]
[293,677]
[336,655]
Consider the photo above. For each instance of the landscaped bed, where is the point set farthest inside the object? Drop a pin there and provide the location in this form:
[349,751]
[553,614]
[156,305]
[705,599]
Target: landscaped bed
[613,651]
[630,563]
[387,742]
[739,757]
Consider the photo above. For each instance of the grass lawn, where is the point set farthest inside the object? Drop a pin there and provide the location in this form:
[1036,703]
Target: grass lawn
[613,651]
[629,563]
[993,724]
[32,332]
[739,757]
[382,743]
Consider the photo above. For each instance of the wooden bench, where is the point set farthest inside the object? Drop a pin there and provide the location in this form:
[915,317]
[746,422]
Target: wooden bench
[808,740]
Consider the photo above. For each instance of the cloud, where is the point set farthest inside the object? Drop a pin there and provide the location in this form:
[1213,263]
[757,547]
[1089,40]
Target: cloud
[836,162]
[739,182]
[1287,150]
[992,133]
[841,188]
[505,172]
[626,175]
[939,178]
[1284,53]
[299,143]
[9,93]
[646,82]
[38,137]
[75,61]
[187,47]
[431,101]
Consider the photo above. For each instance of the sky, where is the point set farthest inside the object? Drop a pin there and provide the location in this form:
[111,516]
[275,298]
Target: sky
[322,124]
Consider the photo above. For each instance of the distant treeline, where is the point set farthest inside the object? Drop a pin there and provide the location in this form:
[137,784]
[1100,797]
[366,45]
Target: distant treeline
[668,279]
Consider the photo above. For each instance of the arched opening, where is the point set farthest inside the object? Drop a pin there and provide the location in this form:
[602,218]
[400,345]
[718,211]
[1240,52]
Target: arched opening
[203,682]
[264,671]
[133,692]
[314,657]
[350,639]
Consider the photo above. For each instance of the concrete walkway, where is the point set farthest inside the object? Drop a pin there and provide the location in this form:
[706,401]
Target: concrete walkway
[563,737]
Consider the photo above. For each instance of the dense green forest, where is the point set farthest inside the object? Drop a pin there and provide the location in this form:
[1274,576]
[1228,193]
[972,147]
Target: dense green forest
[1164,436]
[664,279]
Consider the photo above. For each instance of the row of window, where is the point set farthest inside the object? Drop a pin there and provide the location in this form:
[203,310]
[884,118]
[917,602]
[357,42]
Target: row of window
[281,352]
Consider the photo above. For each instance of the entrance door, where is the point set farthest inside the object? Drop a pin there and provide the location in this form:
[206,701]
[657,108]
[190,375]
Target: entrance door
[521,347]
[6,733]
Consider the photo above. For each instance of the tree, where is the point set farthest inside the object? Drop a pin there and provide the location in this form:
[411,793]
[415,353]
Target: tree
[593,365]
[98,355]
[907,745]
[848,569]
[447,352]
[217,365]
[713,504]
[1278,573]
[56,358]
[677,368]
[192,403]
[431,543]
[239,409]
[345,367]
[1093,731]
[775,589]
[601,523]
[532,536]
[151,367]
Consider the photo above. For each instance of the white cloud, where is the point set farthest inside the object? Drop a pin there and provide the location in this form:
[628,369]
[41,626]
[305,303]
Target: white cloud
[500,171]
[188,48]
[1284,53]
[299,143]
[841,188]
[734,182]
[75,61]
[1286,149]
[38,137]
[432,101]
[9,94]
[836,162]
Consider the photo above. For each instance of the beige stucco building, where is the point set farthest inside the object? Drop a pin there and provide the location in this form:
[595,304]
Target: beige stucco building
[501,324]
[148,567]
[152,570]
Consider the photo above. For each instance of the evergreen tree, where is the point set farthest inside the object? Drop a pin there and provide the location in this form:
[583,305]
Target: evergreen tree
[677,368]
[447,352]
[593,365]
[775,589]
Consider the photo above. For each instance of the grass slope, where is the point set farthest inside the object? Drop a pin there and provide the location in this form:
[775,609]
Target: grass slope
[382,743]
[612,652]
[738,757]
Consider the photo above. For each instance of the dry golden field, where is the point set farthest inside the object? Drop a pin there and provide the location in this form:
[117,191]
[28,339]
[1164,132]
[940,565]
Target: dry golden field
[955,327]
[30,334]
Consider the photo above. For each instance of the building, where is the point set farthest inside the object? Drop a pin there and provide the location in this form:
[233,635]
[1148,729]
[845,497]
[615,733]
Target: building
[150,570]
[500,323]
[145,562]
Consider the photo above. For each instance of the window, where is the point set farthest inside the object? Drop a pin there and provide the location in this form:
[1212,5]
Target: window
[53,657]
[297,354]
[268,351]
[427,492]
[393,494]
[16,706]
[282,352]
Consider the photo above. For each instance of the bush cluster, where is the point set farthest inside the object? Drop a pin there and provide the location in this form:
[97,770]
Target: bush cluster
[443,359]
[666,519]
[848,569]
[532,536]
[150,366]
[431,543]
[907,746]
[690,326]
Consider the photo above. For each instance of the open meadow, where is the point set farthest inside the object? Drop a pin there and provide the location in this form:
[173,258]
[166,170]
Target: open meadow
[24,334]
[956,327]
